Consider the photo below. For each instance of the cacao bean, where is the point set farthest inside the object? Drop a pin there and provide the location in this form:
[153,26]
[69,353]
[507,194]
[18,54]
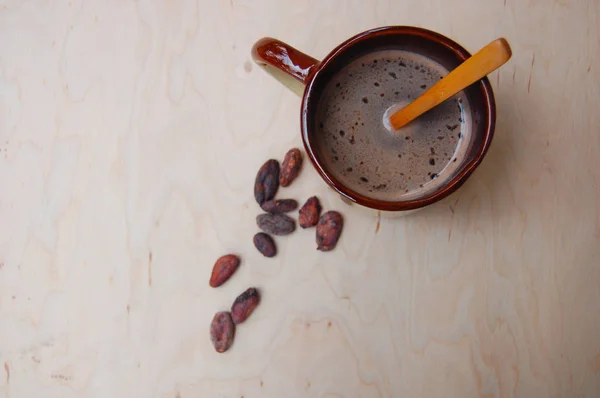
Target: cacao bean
[222,331]
[290,168]
[224,267]
[267,181]
[329,229]
[244,304]
[276,224]
[265,244]
[279,206]
[309,213]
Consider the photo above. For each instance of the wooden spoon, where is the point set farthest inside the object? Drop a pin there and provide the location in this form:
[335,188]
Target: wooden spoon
[485,61]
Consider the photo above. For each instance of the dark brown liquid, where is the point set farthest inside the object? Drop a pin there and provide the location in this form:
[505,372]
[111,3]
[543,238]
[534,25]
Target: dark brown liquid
[365,156]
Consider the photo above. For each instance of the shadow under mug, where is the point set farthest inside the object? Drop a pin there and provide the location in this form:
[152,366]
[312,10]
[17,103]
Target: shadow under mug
[308,77]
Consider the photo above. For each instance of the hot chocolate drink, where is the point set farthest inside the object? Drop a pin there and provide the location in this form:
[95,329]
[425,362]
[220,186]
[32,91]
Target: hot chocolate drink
[363,154]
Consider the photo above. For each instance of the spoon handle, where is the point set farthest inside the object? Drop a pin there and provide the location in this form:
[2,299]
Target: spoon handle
[485,61]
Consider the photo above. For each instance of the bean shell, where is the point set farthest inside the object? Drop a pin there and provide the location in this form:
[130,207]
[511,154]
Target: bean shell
[224,267]
[266,183]
[309,213]
[276,224]
[222,331]
[265,244]
[329,230]
[290,168]
[244,305]
[279,206]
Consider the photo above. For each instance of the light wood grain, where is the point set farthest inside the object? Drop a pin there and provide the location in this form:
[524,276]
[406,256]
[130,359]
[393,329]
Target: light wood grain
[478,66]
[124,177]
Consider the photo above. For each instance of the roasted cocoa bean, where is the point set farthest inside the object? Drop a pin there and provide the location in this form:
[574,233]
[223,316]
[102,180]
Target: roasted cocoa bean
[329,229]
[224,267]
[265,244]
[244,304]
[222,331]
[309,213]
[276,224]
[290,168]
[279,206]
[267,181]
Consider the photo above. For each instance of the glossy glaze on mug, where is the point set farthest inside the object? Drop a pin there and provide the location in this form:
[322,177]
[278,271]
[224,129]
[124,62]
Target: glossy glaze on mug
[276,55]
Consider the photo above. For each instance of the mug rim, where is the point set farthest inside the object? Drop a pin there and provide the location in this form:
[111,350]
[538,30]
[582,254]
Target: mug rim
[451,185]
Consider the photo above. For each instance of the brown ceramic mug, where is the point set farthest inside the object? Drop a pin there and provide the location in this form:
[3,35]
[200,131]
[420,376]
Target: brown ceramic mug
[308,77]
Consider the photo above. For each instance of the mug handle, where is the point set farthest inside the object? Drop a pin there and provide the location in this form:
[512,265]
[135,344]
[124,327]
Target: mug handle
[291,67]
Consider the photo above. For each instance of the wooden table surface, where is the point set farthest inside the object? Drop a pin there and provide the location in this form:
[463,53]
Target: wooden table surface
[130,135]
